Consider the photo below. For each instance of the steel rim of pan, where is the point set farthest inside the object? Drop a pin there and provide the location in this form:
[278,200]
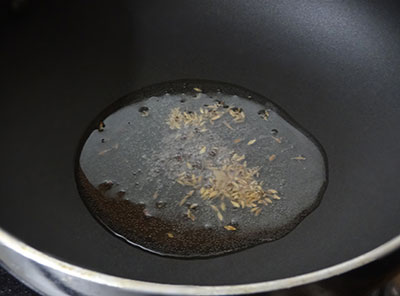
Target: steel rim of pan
[129,285]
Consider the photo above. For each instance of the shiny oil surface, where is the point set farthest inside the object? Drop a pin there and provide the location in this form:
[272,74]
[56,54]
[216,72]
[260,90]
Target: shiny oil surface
[168,172]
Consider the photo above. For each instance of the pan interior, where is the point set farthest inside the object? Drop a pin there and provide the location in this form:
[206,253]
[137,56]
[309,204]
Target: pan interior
[334,66]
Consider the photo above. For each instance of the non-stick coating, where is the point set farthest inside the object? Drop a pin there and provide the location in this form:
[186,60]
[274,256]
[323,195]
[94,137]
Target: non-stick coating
[334,66]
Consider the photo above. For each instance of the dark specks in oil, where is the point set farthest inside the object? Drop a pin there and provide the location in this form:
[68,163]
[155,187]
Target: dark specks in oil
[161,204]
[205,176]
[274,131]
[101,126]
[144,110]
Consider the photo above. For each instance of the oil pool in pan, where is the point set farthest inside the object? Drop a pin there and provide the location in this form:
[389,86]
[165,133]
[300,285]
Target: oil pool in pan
[193,169]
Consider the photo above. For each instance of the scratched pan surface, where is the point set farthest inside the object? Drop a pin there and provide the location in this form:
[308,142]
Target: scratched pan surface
[333,66]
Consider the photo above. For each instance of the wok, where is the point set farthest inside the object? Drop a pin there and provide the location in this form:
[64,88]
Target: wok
[334,66]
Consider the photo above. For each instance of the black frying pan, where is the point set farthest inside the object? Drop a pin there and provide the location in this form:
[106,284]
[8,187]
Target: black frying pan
[334,66]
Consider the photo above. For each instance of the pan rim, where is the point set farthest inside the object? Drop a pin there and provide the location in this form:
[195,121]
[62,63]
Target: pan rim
[17,247]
